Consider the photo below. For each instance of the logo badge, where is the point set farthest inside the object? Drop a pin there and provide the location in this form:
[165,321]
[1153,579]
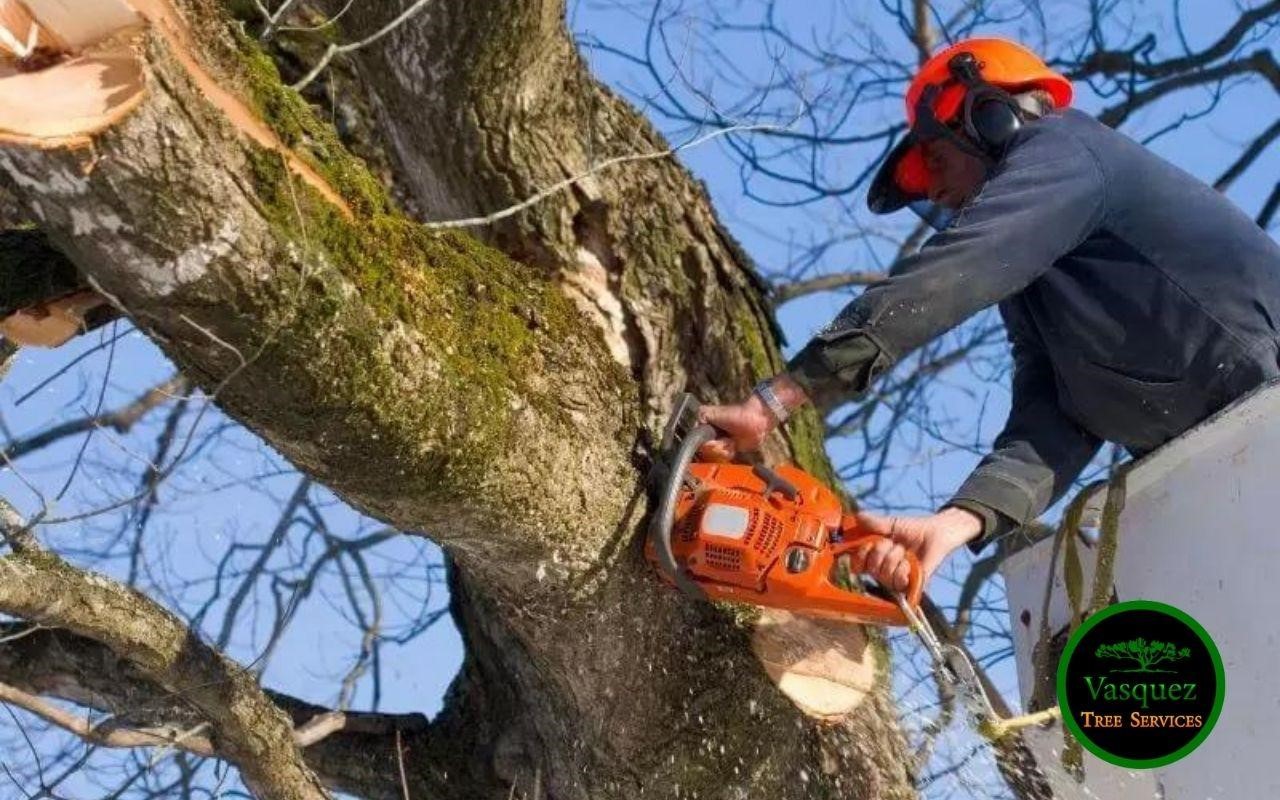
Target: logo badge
[1140,684]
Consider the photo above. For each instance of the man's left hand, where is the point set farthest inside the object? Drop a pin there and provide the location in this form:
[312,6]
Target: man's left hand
[931,538]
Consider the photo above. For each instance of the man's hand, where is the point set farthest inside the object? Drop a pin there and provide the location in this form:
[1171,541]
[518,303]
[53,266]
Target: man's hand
[746,424]
[932,539]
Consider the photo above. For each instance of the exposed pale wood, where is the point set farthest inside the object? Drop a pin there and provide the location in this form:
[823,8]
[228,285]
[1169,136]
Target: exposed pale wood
[80,23]
[65,105]
[168,21]
[825,667]
[50,325]
[17,19]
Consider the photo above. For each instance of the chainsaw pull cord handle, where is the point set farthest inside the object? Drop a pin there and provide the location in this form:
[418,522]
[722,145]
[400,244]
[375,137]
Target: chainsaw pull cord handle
[664,519]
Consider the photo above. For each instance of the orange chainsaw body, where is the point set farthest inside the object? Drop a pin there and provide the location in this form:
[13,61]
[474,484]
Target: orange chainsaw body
[741,534]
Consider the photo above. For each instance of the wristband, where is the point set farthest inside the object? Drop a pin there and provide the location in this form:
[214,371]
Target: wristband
[764,390]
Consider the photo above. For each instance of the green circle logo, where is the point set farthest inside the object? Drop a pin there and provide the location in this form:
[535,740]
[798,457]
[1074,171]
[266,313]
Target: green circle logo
[1140,684]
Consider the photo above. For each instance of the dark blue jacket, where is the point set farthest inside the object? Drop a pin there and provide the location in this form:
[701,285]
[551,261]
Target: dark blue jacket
[1137,300]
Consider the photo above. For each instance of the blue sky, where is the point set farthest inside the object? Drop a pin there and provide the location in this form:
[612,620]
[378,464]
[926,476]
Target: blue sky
[233,490]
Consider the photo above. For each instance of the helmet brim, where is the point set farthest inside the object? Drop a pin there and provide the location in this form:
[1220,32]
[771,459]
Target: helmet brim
[901,180]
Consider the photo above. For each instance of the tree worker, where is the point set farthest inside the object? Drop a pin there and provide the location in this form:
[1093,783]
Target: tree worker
[1137,300]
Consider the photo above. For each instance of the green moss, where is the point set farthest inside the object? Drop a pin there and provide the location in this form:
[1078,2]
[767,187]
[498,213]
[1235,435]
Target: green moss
[878,641]
[751,339]
[744,615]
[484,319]
[311,139]
[808,446]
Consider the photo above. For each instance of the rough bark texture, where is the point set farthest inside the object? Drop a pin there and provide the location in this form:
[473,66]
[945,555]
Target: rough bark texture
[489,397]
[252,732]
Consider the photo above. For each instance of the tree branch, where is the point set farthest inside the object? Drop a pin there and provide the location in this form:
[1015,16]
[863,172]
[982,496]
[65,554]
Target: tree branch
[251,731]
[350,751]
[1120,62]
[1250,154]
[1263,62]
[121,420]
[824,283]
[1268,212]
[104,734]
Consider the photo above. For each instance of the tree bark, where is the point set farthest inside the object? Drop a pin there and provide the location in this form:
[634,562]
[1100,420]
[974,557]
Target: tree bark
[491,396]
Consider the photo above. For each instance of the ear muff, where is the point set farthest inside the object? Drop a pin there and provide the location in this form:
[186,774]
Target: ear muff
[990,115]
[992,121]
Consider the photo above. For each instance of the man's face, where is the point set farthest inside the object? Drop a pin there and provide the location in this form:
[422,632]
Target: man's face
[954,174]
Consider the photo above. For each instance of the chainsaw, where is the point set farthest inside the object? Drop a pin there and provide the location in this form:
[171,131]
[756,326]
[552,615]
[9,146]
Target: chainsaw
[774,538]
[752,534]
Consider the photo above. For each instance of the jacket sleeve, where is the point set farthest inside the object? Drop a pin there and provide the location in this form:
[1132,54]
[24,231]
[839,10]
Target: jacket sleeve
[1037,456]
[1043,199]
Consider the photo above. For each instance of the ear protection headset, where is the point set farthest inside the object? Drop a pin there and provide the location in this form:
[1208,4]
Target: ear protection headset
[989,117]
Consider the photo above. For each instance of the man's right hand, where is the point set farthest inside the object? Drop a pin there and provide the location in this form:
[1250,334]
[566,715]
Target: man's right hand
[745,425]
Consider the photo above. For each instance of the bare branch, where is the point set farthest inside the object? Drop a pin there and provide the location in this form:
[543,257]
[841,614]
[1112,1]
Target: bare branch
[336,49]
[121,420]
[1268,212]
[1262,62]
[1256,148]
[103,734]
[1121,62]
[924,36]
[631,158]
[824,283]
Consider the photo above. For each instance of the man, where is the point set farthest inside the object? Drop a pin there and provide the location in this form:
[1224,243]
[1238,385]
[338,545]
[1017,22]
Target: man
[1137,299]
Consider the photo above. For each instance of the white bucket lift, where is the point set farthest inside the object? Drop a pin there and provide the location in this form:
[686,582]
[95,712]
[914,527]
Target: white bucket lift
[1200,530]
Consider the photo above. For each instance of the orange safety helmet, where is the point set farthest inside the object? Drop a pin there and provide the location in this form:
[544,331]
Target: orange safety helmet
[936,88]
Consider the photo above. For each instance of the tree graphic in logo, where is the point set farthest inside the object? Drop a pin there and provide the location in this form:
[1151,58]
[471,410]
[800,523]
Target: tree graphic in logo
[1147,654]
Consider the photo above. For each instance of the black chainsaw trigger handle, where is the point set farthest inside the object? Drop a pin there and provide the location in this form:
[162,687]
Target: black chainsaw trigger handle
[774,482]
[682,426]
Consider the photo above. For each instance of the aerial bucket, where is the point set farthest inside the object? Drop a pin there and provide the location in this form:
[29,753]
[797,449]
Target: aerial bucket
[1198,531]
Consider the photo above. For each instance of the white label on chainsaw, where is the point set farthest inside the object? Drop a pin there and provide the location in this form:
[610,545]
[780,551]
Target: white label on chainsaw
[722,520]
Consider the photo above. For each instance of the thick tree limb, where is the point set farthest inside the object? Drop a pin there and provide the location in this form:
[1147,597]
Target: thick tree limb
[351,751]
[250,730]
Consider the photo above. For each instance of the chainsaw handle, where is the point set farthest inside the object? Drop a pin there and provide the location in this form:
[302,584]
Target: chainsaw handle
[862,542]
[665,516]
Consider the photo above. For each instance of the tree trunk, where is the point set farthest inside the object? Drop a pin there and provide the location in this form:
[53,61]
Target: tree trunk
[491,396]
